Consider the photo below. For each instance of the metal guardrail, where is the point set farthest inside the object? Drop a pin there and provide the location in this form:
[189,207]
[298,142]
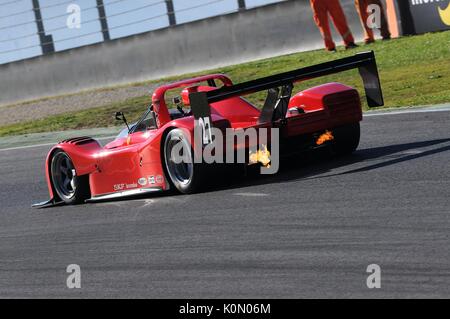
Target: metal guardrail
[46,41]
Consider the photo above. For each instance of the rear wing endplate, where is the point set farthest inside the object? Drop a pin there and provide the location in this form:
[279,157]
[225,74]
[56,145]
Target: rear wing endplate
[365,62]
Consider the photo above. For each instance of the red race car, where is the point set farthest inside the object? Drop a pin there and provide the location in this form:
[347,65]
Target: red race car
[142,158]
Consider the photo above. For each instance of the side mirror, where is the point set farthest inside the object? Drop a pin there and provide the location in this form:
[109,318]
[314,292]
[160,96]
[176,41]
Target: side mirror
[121,117]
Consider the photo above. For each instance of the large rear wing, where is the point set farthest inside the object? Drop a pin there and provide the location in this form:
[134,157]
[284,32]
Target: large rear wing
[365,62]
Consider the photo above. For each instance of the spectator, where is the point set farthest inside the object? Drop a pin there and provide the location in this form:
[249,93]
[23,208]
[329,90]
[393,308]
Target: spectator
[322,10]
[362,6]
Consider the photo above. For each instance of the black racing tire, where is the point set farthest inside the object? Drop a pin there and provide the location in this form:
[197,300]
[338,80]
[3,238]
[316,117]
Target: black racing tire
[346,139]
[69,187]
[187,177]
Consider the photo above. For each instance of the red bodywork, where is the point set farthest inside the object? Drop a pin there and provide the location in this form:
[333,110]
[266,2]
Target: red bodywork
[134,162]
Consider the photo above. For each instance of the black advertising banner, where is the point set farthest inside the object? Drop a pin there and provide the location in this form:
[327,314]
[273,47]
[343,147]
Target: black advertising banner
[421,16]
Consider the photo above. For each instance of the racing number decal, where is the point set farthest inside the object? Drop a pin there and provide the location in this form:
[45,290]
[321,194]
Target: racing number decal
[205,124]
[202,114]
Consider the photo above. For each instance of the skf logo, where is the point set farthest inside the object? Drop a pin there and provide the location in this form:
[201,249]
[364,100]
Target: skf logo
[445,15]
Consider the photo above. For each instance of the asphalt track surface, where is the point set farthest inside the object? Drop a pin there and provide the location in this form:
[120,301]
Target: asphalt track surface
[310,231]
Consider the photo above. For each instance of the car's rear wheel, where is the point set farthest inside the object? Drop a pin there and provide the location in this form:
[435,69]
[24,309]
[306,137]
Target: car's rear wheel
[185,175]
[346,139]
[69,187]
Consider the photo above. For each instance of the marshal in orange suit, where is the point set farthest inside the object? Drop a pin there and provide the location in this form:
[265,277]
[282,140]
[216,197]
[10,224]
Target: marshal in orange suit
[362,6]
[323,9]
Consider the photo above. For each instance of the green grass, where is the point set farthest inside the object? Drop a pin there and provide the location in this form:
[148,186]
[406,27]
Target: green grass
[413,70]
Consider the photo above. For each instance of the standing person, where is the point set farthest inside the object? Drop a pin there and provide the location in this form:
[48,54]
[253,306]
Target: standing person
[322,10]
[362,6]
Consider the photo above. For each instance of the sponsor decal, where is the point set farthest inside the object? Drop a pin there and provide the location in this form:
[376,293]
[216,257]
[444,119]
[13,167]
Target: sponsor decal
[152,180]
[119,187]
[428,15]
[159,179]
[142,181]
[445,15]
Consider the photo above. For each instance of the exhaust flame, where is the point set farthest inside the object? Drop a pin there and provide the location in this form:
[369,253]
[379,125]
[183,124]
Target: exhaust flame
[261,156]
[325,137]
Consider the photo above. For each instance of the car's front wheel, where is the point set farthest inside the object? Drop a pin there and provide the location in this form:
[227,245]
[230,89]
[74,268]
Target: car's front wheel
[69,187]
[185,175]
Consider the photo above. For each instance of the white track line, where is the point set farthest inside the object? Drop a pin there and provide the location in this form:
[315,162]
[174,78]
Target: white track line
[251,194]
[408,111]
[42,145]
[431,110]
